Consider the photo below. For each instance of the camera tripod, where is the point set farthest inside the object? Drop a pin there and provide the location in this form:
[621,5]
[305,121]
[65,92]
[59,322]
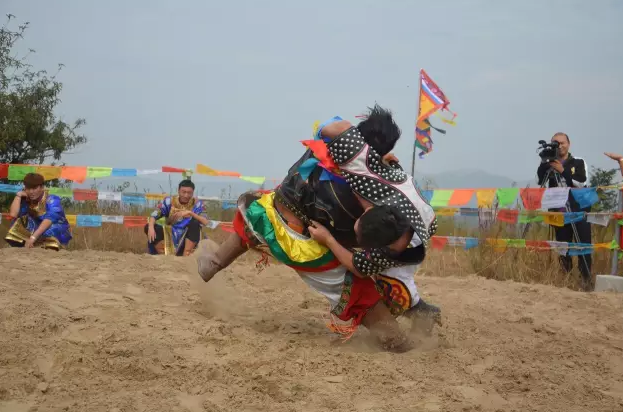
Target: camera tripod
[576,236]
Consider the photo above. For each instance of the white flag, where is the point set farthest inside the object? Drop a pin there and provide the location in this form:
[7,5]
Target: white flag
[112,219]
[116,196]
[213,224]
[148,172]
[555,197]
[561,247]
[601,220]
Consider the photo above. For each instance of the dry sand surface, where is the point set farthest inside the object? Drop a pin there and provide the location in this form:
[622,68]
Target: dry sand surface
[92,331]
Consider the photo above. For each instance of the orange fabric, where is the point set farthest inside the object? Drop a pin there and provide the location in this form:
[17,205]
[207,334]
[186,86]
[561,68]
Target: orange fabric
[461,197]
[231,174]
[76,174]
[134,221]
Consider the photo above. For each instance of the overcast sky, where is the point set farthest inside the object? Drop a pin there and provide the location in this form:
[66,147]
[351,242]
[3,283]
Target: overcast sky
[237,84]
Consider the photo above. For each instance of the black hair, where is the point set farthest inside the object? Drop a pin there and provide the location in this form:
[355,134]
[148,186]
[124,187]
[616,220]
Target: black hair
[381,226]
[379,130]
[186,183]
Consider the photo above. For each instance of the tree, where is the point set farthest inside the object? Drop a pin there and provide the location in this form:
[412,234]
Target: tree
[30,132]
[607,198]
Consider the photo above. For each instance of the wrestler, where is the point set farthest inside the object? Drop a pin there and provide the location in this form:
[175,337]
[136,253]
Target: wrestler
[184,217]
[39,217]
[277,222]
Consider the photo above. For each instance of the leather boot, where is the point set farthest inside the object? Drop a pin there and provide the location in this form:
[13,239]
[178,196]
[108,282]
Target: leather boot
[424,316]
[210,263]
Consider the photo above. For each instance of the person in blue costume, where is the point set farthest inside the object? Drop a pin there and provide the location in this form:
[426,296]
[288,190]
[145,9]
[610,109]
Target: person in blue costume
[185,216]
[39,217]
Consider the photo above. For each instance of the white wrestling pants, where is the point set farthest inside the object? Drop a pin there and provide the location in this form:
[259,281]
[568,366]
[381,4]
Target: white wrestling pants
[329,283]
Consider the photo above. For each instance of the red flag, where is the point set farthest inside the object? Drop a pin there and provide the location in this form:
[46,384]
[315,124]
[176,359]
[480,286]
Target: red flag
[508,215]
[532,197]
[85,194]
[321,152]
[4,170]
[134,221]
[439,242]
[168,169]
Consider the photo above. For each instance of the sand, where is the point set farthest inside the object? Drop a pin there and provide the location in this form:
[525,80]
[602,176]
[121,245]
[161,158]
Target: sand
[92,331]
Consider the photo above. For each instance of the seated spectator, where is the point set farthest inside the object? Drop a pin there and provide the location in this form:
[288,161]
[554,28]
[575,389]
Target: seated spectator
[185,216]
[39,217]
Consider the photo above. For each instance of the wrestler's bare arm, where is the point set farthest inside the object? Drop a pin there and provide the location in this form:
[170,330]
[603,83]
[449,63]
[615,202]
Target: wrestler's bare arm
[335,129]
[342,254]
[322,235]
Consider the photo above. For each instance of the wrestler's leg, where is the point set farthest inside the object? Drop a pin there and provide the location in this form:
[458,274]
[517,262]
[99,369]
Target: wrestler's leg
[15,243]
[209,264]
[193,234]
[423,315]
[384,327]
[157,246]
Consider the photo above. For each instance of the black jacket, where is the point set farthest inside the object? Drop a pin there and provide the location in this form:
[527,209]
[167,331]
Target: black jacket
[574,174]
[330,203]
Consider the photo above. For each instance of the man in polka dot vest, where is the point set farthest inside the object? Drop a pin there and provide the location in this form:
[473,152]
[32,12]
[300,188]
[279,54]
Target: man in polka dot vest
[277,223]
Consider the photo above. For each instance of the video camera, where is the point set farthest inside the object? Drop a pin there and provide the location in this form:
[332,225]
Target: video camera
[549,151]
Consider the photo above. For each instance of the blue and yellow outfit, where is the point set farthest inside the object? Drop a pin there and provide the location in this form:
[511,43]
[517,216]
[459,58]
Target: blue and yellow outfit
[31,216]
[177,232]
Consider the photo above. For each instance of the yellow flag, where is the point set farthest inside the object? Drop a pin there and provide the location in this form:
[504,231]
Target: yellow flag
[554,219]
[71,219]
[49,172]
[447,121]
[499,245]
[485,197]
[316,126]
[205,170]
[155,196]
[446,212]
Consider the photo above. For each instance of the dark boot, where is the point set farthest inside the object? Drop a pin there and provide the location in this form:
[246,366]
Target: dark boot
[210,263]
[424,316]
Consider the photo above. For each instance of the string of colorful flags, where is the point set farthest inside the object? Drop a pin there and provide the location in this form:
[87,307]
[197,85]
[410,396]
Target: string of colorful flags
[530,199]
[79,174]
[438,242]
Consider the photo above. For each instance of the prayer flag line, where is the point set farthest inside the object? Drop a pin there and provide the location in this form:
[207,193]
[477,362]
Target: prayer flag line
[438,242]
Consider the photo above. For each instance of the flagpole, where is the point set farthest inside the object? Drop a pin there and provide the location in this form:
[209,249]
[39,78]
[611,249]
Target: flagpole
[417,115]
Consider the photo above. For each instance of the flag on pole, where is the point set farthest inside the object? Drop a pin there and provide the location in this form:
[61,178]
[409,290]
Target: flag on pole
[432,99]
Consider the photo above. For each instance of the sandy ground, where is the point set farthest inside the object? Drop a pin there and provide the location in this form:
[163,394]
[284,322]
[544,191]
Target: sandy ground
[87,331]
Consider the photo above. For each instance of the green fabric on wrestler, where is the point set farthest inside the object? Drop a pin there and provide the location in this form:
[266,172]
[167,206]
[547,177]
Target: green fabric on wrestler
[256,215]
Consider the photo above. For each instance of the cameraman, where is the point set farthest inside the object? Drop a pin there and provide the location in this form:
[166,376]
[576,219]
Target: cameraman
[571,172]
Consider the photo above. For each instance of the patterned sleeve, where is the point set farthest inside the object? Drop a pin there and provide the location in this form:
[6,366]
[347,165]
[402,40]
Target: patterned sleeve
[23,209]
[371,262]
[200,209]
[163,209]
[53,209]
